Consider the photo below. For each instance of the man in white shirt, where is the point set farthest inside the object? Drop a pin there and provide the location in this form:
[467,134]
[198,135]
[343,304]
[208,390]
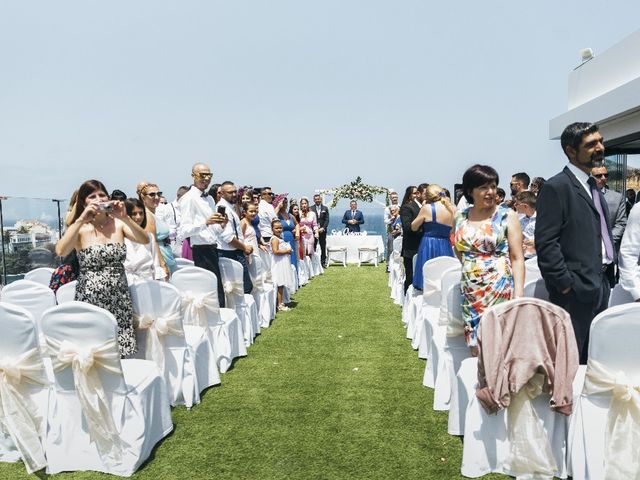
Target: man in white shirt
[388,221]
[170,214]
[266,213]
[230,239]
[199,221]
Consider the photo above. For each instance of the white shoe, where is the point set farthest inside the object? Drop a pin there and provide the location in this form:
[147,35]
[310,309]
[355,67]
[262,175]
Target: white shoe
[283,308]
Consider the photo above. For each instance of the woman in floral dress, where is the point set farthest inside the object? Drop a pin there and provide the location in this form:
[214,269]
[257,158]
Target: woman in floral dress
[488,242]
[97,231]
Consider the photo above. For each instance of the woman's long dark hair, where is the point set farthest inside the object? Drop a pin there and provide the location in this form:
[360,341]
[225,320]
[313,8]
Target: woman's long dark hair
[131,203]
[407,194]
[86,189]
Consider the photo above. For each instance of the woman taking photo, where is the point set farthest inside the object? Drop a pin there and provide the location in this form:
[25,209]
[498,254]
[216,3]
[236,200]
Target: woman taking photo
[97,231]
[435,219]
[488,242]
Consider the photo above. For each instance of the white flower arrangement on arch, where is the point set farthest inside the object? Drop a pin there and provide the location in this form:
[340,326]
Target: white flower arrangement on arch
[356,190]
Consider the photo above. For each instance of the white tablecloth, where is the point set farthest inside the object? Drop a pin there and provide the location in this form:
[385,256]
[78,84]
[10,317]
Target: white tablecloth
[352,242]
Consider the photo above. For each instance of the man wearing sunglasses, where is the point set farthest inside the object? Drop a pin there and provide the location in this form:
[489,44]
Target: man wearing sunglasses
[266,213]
[201,224]
[615,202]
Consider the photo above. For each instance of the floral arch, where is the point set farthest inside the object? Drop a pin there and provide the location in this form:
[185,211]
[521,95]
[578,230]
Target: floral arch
[356,190]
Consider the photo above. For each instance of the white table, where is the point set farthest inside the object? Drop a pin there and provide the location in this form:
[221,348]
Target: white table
[353,242]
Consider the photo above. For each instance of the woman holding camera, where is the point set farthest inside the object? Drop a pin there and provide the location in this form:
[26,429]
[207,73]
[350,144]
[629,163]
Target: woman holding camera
[97,231]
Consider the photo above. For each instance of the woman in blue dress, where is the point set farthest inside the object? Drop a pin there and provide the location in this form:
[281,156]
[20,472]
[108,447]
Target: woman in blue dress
[436,220]
[289,230]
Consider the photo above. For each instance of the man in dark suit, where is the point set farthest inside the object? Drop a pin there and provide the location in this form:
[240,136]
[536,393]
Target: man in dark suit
[353,217]
[322,213]
[573,237]
[615,204]
[410,239]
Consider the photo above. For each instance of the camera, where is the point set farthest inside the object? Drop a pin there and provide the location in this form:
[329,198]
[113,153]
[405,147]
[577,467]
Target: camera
[105,207]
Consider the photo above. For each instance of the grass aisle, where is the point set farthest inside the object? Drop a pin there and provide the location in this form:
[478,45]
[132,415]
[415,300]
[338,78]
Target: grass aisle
[331,391]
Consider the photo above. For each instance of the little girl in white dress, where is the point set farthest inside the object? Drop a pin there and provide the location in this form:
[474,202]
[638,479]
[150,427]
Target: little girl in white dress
[281,271]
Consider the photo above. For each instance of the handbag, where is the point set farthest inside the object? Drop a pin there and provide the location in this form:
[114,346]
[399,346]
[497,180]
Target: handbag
[65,272]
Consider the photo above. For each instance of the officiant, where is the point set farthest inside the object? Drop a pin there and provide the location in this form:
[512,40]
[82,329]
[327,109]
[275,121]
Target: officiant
[353,218]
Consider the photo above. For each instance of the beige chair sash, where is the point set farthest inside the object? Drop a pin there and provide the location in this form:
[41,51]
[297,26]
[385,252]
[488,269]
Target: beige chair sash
[530,456]
[96,408]
[17,413]
[623,423]
[197,304]
[235,288]
[158,328]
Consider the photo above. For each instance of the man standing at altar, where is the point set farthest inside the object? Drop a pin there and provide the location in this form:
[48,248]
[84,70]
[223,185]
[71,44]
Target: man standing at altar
[322,214]
[353,218]
[576,252]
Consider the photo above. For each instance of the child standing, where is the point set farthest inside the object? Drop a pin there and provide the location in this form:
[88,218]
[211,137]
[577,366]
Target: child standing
[282,272]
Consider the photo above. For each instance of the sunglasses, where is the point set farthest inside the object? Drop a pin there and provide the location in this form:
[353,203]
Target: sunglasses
[203,176]
[601,175]
[153,194]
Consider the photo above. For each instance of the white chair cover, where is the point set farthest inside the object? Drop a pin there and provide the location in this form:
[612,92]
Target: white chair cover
[40,275]
[33,296]
[106,414]
[231,272]
[536,289]
[158,315]
[262,292]
[619,296]
[606,423]
[24,390]
[184,262]
[202,316]
[67,292]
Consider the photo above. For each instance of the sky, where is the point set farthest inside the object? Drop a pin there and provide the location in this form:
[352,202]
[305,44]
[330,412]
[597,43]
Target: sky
[293,94]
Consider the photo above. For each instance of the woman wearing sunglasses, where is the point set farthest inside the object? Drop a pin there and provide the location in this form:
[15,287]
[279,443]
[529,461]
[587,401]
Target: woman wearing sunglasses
[150,194]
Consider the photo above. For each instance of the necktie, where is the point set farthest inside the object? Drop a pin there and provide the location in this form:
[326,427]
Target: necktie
[604,231]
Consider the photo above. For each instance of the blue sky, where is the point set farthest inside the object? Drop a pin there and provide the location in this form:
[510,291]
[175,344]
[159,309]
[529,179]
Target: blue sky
[298,95]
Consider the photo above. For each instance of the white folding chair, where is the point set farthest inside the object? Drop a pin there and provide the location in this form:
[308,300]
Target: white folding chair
[33,296]
[40,275]
[527,445]
[605,428]
[368,255]
[223,329]
[337,254]
[24,389]
[244,305]
[67,292]
[161,339]
[183,262]
[106,414]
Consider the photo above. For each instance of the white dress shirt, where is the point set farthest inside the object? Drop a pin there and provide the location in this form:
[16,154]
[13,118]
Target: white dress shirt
[231,230]
[266,213]
[195,209]
[629,254]
[170,214]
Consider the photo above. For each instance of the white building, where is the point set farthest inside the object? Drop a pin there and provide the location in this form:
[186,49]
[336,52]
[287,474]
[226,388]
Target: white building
[606,90]
[29,234]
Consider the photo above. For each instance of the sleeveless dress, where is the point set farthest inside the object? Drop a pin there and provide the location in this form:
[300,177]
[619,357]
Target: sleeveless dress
[288,226]
[102,282]
[487,278]
[308,227]
[434,243]
[281,270]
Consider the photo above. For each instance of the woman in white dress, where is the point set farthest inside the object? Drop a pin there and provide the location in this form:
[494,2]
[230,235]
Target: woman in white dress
[141,262]
[281,270]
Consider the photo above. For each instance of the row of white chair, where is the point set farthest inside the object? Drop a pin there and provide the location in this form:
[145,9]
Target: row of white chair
[453,374]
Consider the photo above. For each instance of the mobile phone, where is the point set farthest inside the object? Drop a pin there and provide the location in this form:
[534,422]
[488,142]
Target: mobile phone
[222,210]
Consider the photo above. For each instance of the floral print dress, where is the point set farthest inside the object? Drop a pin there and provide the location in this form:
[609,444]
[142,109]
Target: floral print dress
[102,282]
[487,278]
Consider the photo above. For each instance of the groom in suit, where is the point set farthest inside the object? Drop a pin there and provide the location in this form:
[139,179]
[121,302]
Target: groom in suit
[576,253]
[322,214]
[353,218]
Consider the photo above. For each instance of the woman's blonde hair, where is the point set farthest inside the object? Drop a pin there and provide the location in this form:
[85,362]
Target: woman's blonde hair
[435,193]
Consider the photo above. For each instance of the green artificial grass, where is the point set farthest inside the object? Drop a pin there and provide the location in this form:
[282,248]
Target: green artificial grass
[332,390]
